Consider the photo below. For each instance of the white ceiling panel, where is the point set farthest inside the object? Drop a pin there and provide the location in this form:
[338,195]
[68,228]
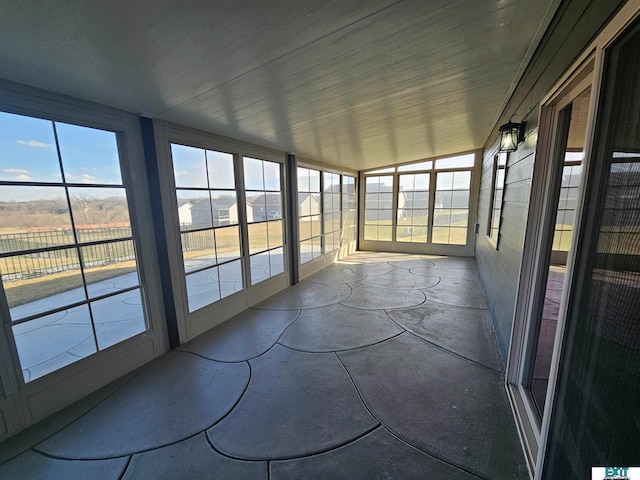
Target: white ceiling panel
[359,84]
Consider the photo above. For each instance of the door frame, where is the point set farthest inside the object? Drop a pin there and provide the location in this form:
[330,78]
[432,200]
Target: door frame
[586,70]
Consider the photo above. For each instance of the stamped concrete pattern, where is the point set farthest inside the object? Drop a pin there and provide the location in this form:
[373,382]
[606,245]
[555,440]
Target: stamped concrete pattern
[176,397]
[337,327]
[380,366]
[192,459]
[251,333]
[311,403]
[35,466]
[434,400]
[377,455]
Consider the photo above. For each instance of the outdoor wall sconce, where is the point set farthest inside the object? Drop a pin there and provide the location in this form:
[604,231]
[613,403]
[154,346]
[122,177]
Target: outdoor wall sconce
[511,134]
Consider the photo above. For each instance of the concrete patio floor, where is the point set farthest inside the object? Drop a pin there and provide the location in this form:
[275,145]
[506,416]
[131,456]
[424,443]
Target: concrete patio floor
[380,366]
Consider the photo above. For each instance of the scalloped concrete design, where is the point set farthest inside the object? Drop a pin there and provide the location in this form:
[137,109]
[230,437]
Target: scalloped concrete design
[337,327]
[401,279]
[335,275]
[460,273]
[277,391]
[34,466]
[369,268]
[411,262]
[451,262]
[470,334]
[377,455]
[449,407]
[377,298]
[245,336]
[296,404]
[461,293]
[176,397]
[306,295]
[192,459]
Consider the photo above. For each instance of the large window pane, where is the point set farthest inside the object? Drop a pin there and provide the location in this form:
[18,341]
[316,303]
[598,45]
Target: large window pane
[220,170]
[208,214]
[100,213]
[41,281]
[264,214]
[230,278]
[227,243]
[118,318]
[275,233]
[203,288]
[310,200]
[379,207]
[88,155]
[27,150]
[37,282]
[109,267]
[33,217]
[194,209]
[189,166]
[54,341]
[451,212]
[258,238]
[224,207]
[413,202]
[198,249]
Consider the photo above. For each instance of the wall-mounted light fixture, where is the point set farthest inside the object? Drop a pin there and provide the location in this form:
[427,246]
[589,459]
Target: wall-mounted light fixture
[511,134]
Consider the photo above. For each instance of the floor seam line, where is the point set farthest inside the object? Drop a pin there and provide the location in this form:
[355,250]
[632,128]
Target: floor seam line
[299,457]
[255,356]
[344,349]
[126,467]
[453,353]
[388,429]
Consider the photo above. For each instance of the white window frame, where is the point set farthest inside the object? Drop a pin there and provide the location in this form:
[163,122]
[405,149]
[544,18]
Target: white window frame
[192,324]
[23,404]
[415,247]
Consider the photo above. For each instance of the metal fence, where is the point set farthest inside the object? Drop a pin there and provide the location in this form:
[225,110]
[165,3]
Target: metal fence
[26,263]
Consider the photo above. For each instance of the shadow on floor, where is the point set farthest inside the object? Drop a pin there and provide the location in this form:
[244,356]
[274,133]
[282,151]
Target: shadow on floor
[379,366]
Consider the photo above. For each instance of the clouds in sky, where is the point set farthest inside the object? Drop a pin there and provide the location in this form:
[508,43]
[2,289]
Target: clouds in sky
[17,174]
[34,143]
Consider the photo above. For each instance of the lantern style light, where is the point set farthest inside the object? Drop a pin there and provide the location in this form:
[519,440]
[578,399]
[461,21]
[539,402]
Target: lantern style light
[510,136]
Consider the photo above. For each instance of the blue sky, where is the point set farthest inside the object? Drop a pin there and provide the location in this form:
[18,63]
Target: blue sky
[28,153]
[191,164]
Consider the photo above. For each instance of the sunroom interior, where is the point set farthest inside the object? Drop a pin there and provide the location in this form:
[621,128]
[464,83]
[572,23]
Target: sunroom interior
[274,239]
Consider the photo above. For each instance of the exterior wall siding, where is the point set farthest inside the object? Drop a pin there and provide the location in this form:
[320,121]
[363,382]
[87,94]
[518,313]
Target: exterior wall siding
[575,25]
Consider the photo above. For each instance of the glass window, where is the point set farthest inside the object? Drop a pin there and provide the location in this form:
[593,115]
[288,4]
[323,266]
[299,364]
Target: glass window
[500,171]
[265,217]
[451,209]
[349,220]
[67,256]
[309,210]
[378,208]
[413,208]
[331,212]
[207,212]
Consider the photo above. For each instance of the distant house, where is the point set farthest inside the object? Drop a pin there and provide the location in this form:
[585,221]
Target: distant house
[266,207]
[184,214]
[200,213]
[308,204]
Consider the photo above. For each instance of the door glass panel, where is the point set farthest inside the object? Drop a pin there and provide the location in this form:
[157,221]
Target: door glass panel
[598,387]
[568,168]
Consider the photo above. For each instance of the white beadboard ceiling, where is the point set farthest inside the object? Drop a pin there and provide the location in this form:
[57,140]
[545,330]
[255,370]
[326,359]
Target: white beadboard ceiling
[349,82]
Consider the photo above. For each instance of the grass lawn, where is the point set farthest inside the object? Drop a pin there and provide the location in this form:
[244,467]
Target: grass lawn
[25,291]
